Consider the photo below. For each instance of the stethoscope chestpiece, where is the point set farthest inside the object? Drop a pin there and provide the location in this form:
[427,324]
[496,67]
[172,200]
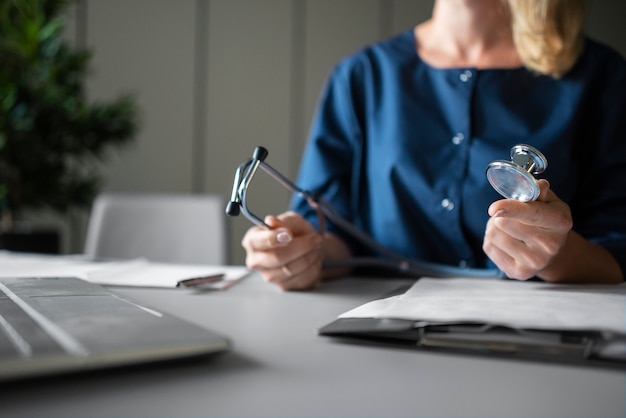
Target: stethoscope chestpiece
[515,179]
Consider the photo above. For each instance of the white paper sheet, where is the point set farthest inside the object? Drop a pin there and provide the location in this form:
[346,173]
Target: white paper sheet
[512,303]
[136,272]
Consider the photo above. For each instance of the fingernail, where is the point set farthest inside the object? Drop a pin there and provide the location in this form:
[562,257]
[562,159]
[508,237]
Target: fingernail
[283,237]
[500,214]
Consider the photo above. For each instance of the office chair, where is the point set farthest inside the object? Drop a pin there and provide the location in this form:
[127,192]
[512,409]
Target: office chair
[169,228]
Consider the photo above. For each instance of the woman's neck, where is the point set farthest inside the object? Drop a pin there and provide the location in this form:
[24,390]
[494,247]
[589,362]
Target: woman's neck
[468,33]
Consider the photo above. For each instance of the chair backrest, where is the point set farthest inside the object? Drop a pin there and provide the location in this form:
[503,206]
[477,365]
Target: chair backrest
[170,228]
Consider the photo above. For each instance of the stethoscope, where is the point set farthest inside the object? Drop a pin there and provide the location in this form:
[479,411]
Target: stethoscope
[512,179]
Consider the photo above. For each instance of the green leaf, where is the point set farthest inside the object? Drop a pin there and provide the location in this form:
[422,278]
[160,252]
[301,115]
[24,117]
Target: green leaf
[51,138]
[51,31]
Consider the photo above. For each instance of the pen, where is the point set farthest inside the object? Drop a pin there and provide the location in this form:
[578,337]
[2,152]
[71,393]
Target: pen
[198,281]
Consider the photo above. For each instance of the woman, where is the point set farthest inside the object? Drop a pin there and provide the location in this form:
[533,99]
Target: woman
[406,127]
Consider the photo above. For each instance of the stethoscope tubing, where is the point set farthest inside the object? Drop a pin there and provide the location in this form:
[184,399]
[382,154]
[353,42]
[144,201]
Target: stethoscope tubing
[395,261]
[392,261]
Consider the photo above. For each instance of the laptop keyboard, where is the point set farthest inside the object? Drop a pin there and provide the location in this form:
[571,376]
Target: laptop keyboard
[66,316]
[54,324]
[20,334]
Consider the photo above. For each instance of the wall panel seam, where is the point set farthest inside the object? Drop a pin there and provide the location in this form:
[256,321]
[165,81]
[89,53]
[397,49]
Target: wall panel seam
[200,101]
[298,68]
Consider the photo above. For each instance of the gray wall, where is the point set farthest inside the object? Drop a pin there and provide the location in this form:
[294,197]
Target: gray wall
[214,78]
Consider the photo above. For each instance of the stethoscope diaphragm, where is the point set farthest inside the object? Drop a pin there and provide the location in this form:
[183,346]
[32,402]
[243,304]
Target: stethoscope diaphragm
[515,179]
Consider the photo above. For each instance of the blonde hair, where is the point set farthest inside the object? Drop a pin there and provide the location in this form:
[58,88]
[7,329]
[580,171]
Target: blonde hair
[548,34]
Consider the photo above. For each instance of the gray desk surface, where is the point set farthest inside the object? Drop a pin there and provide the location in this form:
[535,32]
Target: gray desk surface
[280,367]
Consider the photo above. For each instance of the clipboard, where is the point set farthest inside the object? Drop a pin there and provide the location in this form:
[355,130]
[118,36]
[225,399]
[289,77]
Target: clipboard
[586,344]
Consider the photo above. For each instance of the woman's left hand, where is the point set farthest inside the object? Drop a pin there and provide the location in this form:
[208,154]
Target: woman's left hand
[523,238]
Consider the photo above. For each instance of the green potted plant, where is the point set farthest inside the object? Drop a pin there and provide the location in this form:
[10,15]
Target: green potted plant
[51,138]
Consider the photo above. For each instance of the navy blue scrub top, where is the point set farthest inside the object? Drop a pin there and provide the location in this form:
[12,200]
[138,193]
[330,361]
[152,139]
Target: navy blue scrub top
[399,147]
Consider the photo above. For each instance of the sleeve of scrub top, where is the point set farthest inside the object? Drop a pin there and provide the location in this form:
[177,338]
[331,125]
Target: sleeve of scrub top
[599,208]
[329,155]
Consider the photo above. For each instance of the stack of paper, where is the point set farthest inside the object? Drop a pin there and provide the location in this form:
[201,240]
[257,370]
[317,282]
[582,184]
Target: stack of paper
[136,272]
[530,305]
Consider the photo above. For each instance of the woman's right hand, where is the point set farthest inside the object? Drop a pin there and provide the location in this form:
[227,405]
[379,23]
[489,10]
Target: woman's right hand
[289,255]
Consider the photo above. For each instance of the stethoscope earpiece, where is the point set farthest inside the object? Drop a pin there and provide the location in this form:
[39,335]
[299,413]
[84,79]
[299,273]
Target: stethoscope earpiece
[515,179]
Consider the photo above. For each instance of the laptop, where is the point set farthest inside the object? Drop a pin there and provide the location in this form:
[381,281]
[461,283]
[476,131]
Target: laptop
[64,324]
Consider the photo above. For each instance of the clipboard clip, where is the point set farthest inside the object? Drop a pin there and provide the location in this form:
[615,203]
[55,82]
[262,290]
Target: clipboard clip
[506,340]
